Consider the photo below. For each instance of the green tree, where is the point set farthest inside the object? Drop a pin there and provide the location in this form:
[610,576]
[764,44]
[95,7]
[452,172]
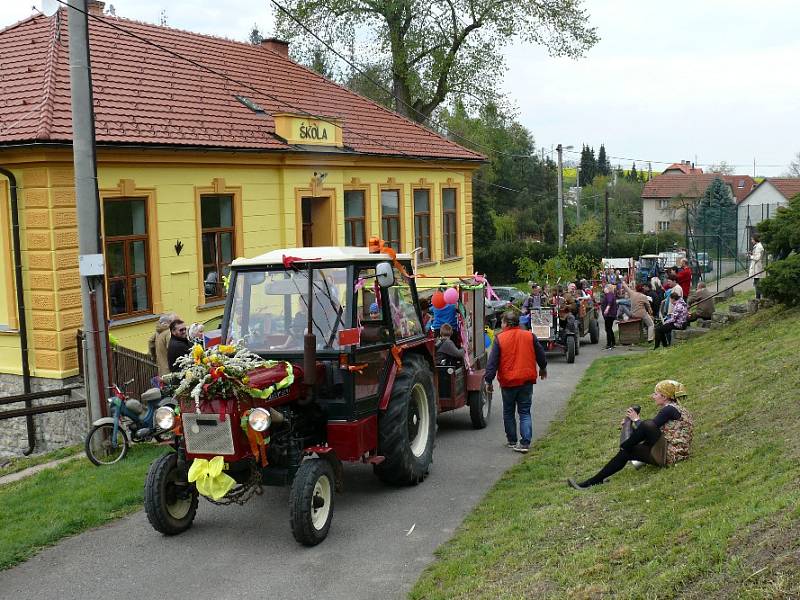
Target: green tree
[320,62]
[589,168]
[781,234]
[603,164]
[633,175]
[716,213]
[483,231]
[255,36]
[439,48]
[514,182]
[587,232]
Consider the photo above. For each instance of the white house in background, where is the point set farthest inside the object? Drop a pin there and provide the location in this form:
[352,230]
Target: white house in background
[762,203]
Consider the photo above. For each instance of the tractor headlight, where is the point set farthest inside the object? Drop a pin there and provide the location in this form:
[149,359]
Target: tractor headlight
[165,417]
[259,419]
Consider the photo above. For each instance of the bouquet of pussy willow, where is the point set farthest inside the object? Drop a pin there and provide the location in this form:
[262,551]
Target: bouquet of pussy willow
[219,372]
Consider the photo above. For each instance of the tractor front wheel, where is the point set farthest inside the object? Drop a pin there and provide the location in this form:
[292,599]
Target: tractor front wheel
[169,503]
[594,331]
[407,428]
[570,349]
[311,501]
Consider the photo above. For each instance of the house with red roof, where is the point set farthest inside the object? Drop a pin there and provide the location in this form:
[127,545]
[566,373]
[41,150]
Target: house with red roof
[665,196]
[207,149]
[762,203]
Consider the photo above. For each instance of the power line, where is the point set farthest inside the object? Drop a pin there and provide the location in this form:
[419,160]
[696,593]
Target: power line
[672,162]
[386,90]
[277,100]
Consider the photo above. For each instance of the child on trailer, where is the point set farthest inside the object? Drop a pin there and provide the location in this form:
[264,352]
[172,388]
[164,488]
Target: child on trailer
[447,353]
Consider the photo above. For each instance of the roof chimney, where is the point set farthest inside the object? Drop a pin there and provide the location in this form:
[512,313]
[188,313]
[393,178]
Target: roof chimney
[95,7]
[278,46]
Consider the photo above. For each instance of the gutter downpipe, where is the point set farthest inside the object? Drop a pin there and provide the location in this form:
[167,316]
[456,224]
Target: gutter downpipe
[23,326]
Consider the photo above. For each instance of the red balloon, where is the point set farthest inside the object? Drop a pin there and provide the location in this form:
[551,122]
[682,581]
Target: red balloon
[438,300]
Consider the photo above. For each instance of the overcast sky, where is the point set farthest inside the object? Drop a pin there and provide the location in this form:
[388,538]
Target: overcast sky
[711,80]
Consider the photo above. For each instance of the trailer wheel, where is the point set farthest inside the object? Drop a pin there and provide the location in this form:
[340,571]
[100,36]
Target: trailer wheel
[311,501]
[170,507]
[594,331]
[570,349]
[407,428]
[480,407]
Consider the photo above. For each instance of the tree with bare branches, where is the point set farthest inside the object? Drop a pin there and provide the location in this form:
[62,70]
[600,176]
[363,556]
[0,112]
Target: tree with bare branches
[436,49]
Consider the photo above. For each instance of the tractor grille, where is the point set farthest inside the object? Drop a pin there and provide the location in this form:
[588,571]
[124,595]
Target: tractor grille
[206,434]
[541,331]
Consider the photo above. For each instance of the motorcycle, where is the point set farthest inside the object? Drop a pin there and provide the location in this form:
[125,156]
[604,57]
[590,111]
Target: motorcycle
[131,421]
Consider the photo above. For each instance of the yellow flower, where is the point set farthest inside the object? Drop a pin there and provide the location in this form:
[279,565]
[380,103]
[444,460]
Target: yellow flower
[245,380]
[197,352]
[227,349]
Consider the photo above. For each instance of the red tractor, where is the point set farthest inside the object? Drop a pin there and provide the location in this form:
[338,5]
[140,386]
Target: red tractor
[349,376]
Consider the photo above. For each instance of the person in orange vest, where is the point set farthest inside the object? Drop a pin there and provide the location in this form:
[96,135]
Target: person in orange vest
[513,358]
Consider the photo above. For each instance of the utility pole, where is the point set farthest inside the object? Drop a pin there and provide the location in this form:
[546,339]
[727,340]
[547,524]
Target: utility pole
[559,149]
[607,254]
[91,265]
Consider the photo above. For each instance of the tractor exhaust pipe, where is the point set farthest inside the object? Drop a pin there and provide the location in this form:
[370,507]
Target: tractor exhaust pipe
[309,339]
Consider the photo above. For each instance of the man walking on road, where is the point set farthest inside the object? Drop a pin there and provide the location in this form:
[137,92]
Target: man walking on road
[514,357]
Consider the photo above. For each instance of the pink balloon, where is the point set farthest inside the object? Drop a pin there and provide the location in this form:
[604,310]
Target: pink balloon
[451,295]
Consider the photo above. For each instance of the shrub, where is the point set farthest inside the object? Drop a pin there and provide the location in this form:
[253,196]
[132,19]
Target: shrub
[780,284]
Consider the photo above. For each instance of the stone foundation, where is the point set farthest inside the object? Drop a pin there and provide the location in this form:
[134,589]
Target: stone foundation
[53,430]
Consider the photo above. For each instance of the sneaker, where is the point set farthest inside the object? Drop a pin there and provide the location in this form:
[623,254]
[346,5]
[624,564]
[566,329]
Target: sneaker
[637,464]
[578,486]
[520,448]
[511,444]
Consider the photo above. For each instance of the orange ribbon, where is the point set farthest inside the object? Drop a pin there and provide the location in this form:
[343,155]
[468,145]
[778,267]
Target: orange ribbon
[258,446]
[377,245]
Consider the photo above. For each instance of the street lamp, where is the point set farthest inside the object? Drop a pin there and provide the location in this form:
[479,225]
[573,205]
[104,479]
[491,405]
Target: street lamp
[560,150]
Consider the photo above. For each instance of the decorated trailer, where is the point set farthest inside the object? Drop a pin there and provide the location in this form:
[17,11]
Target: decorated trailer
[326,361]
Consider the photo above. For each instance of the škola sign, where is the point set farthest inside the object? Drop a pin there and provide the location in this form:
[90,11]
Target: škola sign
[296,129]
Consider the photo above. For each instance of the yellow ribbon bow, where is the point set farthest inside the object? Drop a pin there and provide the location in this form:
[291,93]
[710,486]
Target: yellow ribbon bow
[211,481]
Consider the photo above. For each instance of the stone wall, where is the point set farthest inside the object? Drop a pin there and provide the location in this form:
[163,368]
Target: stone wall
[53,430]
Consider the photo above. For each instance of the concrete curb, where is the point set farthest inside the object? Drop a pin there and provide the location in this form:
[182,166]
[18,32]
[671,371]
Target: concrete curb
[12,477]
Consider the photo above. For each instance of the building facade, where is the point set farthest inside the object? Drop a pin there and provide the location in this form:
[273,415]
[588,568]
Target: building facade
[196,167]
[762,203]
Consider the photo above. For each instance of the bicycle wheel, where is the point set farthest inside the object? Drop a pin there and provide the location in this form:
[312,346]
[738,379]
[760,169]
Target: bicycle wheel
[103,448]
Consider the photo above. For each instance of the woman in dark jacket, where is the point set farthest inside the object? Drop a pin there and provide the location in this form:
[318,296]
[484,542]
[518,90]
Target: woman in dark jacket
[609,305]
[657,294]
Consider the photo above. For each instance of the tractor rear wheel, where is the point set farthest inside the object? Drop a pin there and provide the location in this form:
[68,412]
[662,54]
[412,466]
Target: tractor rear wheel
[311,501]
[407,428]
[480,406]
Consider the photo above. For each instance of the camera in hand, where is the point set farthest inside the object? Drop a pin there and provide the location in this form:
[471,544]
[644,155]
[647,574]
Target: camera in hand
[637,409]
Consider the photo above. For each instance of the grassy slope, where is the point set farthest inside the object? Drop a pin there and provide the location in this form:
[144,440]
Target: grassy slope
[725,523]
[20,463]
[42,509]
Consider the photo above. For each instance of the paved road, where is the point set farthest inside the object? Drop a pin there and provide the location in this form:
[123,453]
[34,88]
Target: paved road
[249,552]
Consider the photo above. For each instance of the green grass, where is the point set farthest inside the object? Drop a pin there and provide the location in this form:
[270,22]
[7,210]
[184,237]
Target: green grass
[72,497]
[737,298]
[724,524]
[20,463]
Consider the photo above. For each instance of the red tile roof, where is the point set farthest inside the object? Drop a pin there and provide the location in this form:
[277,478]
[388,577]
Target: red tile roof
[742,185]
[143,95]
[684,168]
[694,185]
[788,186]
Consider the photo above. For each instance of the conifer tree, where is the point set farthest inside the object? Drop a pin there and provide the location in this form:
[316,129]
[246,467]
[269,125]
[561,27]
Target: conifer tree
[603,164]
[633,175]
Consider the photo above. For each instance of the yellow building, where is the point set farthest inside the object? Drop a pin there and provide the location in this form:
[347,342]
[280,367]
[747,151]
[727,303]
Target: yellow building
[195,167]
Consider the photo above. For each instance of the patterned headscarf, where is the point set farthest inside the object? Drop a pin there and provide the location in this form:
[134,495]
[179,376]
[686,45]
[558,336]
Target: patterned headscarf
[671,389]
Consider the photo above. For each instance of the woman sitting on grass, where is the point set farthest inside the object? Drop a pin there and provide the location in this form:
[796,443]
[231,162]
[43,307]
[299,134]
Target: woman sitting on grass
[661,441]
